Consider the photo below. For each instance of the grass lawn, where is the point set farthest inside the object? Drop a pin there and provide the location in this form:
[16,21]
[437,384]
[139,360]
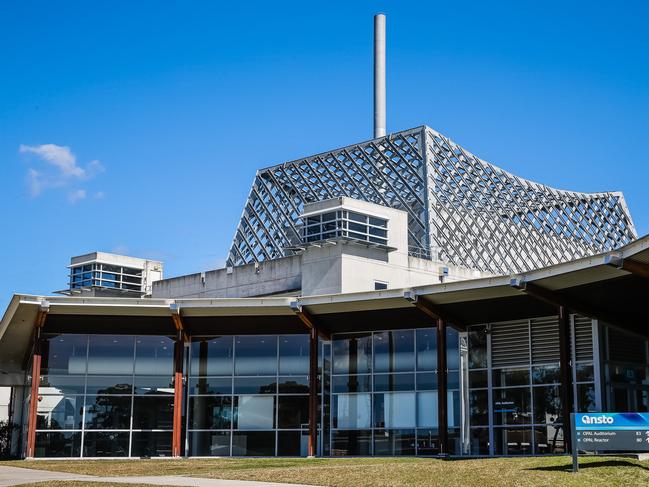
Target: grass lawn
[356,472]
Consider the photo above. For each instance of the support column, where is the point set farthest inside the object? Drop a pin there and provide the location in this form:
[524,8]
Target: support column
[179,348]
[566,374]
[33,397]
[36,379]
[442,375]
[313,393]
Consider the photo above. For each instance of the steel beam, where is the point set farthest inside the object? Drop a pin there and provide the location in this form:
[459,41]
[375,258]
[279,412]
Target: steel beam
[34,398]
[309,321]
[442,382]
[433,311]
[636,268]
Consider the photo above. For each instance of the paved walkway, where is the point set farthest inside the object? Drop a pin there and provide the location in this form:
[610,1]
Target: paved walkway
[17,476]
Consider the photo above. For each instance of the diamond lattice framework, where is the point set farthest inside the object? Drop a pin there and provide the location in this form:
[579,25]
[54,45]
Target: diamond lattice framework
[461,209]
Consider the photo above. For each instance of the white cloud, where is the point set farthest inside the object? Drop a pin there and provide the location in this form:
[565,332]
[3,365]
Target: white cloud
[59,171]
[99,195]
[77,195]
[59,156]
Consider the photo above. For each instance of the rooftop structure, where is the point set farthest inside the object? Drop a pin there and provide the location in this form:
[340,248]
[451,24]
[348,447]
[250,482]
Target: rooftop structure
[106,274]
[461,210]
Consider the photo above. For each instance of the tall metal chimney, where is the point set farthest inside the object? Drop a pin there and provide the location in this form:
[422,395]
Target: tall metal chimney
[379,75]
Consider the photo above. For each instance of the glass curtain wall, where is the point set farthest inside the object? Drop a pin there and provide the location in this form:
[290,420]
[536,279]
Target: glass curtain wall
[105,396]
[514,389]
[248,396]
[384,393]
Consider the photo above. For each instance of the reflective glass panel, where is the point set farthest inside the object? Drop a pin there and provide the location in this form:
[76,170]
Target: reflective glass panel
[352,354]
[394,410]
[293,412]
[108,412]
[161,384]
[549,439]
[211,356]
[512,441]
[294,354]
[105,444]
[394,382]
[352,383]
[255,385]
[394,442]
[452,349]
[348,443]
[110,355]
[254,412]
[253,443]
[210,385]
[586,399]
[352,411]
[479,408]
[479,441]
[59,412]
[426,380]
[294,385]
[209,443]
[151,444]
[478,379]
[584,372]
[255,355]
[477,348]
[151,412]
[547,404]
[426,349]
[512,406]
[207,412]
[511,377]
[154,355]
[394,351]
[57,444]
[546,374]
[292,443]
[109,385]
[62,384]
[64,354]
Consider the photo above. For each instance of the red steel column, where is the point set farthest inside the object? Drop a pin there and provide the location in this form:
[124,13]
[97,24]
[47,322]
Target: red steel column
[179,346]
[313,393]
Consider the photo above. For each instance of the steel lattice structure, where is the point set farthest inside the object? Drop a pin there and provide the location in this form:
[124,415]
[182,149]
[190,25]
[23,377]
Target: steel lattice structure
[462,210]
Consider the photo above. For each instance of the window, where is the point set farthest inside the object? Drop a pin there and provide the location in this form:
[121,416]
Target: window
[378,285]
[344,223]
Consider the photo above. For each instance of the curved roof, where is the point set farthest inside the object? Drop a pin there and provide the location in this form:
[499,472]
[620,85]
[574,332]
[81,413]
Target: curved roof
[462,210]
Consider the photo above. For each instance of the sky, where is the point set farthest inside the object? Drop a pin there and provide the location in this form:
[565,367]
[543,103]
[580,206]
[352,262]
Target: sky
[137,127]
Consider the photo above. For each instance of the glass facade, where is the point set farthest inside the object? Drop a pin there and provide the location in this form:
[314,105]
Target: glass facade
[248,395]
[384,393]
[344,223]
[105,275]
[105,396]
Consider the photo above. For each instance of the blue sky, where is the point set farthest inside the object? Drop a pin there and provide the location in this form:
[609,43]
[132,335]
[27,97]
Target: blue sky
[168,108]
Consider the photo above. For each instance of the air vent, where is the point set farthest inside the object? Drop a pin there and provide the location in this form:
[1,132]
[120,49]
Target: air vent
[583,338]
[510,344]
[545,340]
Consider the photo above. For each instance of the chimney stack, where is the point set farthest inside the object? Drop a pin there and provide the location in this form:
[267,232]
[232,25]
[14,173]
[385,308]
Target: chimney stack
[379,75]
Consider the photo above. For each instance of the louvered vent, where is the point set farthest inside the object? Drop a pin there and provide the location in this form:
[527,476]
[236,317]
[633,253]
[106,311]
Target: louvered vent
[625,348]
[583,338]
[545,340]
[510,344]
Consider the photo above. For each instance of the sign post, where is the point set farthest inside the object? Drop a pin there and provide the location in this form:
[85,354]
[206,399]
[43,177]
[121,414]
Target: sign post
[601,432]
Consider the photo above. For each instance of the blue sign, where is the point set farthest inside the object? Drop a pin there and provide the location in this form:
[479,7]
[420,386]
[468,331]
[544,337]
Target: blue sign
[611,421]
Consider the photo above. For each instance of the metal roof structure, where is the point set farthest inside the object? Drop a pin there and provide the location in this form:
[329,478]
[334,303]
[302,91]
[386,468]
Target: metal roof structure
[461,209]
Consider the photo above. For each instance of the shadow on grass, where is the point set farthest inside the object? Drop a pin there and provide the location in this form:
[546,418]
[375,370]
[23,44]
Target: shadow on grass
[596,464]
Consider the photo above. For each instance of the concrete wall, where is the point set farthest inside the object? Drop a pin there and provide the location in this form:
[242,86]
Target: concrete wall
[272,277]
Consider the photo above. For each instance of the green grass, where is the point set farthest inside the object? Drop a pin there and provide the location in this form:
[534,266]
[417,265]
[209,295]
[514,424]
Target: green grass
[388,472]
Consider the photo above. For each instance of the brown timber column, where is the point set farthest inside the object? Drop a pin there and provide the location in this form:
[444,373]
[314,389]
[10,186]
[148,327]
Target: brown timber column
[442,375]
[179,347]
[566,375]
[33,398]
[313,393]
[36,379]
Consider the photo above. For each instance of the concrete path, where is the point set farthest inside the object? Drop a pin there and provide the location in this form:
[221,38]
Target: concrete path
[17,476]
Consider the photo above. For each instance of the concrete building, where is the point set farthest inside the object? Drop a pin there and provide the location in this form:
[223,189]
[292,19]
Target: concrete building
[398,296]
[106,274]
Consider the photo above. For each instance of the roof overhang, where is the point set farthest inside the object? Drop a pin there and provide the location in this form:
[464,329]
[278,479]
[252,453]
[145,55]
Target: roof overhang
[599,283]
